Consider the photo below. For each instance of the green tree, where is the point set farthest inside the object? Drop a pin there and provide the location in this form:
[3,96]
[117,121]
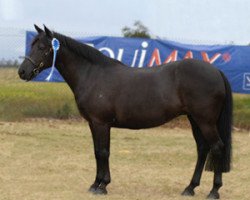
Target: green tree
[138,30]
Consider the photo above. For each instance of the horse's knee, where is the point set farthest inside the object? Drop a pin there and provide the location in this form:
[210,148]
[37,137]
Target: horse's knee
[102,154]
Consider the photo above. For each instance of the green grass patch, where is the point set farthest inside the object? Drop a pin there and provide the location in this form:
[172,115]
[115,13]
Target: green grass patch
[242,110]
[20,100]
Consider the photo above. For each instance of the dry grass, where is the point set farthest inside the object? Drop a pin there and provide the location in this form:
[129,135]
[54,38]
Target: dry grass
[52,159]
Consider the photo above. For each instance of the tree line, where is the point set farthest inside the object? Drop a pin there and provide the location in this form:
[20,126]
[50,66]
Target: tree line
[9,63]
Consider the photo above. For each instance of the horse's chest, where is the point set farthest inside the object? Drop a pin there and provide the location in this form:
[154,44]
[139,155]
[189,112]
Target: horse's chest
[96,107]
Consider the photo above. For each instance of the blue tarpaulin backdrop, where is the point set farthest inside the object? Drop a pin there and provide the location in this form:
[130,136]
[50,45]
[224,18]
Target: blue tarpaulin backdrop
[233,60]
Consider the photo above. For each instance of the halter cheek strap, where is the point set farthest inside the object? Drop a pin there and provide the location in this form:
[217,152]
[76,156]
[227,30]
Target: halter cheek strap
[39,66]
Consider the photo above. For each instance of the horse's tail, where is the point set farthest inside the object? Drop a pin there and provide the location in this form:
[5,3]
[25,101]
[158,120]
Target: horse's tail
[224,125]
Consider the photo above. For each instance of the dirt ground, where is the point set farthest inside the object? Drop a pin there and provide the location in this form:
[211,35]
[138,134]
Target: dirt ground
[54,160]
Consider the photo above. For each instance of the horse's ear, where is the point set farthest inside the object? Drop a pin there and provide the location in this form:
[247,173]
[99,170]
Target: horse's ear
[48,32]
[39,30]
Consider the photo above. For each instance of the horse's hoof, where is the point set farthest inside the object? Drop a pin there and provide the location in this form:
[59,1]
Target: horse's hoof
[92,189]
[98,189]
[188,192]
[101,191]
[213,195]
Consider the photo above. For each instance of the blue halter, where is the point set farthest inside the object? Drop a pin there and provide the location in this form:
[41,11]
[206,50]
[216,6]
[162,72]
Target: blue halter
[55,46]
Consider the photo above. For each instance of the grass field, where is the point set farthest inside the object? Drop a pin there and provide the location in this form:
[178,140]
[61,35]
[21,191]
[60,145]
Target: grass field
[20,100]
[54,160]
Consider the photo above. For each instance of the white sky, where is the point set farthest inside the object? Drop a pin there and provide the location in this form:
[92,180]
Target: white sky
[207,21]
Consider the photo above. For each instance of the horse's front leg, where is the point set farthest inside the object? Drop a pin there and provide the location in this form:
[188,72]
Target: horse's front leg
[101,139]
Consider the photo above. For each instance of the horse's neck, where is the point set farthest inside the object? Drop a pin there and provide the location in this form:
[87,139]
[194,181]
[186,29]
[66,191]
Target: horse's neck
[73,68]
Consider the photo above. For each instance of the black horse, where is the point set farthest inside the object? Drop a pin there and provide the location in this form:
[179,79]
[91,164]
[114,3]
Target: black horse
[109,94]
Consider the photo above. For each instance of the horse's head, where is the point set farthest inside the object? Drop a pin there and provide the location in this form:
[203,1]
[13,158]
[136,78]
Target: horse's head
[40,57]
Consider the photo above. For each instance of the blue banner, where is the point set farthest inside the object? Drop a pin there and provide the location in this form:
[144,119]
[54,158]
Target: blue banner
[233,60]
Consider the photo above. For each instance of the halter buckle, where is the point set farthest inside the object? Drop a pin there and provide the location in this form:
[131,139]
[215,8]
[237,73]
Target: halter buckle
[41,65]
[36,71]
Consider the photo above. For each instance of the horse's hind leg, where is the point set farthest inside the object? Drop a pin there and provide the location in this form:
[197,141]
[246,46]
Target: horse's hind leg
[214,163]
[202,151]
[211,134]
[214,194]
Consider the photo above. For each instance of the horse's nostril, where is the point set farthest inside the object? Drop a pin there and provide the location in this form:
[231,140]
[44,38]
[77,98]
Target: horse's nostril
[21,72]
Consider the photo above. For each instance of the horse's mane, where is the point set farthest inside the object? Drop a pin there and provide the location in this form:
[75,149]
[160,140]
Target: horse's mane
[83,50]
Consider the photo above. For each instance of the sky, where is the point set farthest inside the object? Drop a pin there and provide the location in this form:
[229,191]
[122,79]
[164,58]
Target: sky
[189,21]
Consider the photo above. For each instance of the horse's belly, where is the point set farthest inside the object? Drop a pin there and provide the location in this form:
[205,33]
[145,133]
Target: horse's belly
[140,120]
